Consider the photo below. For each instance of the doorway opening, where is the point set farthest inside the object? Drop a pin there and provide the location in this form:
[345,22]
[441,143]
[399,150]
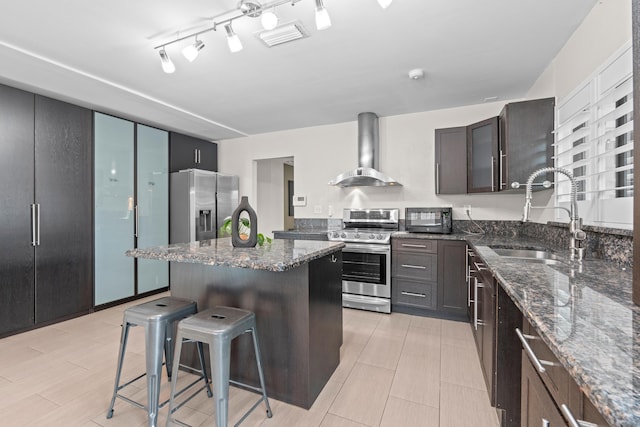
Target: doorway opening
[274,188]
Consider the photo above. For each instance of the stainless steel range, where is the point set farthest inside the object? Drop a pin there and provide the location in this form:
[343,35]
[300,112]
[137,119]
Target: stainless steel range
[366,258]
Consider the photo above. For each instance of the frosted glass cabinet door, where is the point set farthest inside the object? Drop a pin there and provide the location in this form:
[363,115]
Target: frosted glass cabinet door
[153,204]
[114,214]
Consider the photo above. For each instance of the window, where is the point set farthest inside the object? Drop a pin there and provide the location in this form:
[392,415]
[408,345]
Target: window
[594,140]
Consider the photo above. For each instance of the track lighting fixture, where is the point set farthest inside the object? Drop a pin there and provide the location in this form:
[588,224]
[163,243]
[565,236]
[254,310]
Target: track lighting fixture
[263,9]
[167,64]
[191,51]
[269,19]
[235,45]
[323,21]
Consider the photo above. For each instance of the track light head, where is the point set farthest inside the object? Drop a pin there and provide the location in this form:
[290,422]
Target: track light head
[250,8]
[323,20]
[167,64]
[385,3]
[269,19]
[191,51]
[235,45]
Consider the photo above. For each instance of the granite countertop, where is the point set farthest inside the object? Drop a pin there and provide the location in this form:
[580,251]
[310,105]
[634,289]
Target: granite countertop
[280,255]
[584,313]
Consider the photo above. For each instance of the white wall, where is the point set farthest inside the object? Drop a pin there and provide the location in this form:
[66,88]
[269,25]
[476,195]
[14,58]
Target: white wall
[407,141]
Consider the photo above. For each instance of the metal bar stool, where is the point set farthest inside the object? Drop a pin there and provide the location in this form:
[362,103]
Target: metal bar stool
[217,327]
[159,319]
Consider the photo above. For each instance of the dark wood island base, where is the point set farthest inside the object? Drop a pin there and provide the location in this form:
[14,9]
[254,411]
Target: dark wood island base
[299,320]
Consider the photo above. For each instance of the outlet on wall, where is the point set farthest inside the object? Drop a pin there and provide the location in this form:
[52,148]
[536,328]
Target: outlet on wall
[317,209]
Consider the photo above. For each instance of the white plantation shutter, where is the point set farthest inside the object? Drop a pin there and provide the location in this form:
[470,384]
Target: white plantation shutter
[594,140]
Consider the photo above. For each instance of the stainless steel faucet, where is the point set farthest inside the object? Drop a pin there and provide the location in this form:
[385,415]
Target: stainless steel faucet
[577,235]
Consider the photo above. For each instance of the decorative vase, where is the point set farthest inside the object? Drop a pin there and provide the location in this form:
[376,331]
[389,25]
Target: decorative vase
[244,241]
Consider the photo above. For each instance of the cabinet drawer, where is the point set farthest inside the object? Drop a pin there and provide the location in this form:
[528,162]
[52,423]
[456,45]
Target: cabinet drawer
[415,245]
[557,379]
[423,295]
[415,266]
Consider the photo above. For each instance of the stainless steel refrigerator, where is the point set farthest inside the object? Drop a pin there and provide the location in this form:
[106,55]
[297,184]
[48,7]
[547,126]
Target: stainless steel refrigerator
[200,202]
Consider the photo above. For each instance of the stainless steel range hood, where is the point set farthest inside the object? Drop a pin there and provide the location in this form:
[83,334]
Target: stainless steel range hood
[367,173]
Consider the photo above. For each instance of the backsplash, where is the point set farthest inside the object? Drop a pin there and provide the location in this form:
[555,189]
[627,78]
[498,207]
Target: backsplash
[609,244]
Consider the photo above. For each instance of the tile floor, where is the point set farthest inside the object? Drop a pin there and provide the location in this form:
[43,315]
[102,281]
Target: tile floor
[395,370]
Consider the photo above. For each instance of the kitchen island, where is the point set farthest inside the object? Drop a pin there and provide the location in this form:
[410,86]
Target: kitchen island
[295,289]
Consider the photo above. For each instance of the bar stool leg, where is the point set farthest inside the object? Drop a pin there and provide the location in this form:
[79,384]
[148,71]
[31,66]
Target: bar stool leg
[256,347]
[124,335]
[154,336]
[202,366]
[174,380]
[219,352]
[168,348]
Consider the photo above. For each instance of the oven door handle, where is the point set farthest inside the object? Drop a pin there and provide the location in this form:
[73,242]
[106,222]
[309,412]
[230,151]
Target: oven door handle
[349,247]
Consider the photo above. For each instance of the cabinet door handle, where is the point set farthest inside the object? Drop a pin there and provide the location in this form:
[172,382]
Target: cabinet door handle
[136,222]
[199,158]
[417,267]
[503,158]
[33,224]
[437,178]
[475,306]
[413,294]
[410,245]
[333,258]
[532,356]
[493,178]
[37,224]
[195,156]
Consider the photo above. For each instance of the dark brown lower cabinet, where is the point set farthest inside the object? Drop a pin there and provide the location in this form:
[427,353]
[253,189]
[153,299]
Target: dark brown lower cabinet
[494,317]
[428,277]
[538,408]
[548,392]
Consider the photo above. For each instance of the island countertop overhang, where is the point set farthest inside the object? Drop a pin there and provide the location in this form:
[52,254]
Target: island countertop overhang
[279,255]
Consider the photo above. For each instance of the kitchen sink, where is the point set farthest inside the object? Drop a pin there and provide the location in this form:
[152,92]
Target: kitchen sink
[528,255]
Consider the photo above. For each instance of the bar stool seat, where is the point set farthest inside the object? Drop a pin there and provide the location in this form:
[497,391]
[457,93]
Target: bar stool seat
[159,319]
[217,327]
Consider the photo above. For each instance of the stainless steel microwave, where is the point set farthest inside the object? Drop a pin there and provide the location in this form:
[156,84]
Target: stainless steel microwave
[428,220]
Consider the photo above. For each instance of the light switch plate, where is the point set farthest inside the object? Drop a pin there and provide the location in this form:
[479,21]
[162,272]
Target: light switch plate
[299,200]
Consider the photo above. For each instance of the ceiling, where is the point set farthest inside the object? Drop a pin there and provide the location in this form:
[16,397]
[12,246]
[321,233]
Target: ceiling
[101,55]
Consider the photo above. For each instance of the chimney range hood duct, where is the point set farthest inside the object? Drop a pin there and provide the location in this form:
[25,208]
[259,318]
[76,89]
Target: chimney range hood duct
[367,173]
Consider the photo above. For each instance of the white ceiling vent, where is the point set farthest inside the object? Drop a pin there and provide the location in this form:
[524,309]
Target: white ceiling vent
[283,34]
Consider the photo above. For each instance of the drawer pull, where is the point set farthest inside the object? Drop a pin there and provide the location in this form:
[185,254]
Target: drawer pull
[409,245]
[413,294]
[418,267]
[571,420]
[479,266]
[532,356]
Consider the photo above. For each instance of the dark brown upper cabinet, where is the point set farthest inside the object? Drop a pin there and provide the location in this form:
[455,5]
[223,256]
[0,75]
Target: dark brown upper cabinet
[482,156]
[451,160]
[526,140]
[187,152]
[490,155]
